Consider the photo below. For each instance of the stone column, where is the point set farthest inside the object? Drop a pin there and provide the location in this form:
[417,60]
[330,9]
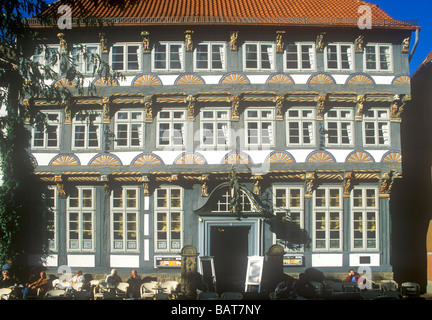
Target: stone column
[190,278]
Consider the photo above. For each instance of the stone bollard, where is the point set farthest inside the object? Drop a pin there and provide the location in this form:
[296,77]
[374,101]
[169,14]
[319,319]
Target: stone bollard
[190,278]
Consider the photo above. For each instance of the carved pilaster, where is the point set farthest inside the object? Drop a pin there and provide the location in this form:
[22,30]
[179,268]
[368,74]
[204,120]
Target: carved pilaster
[106,110]
[146,41]
[321,106]
[233,40]
[361,99]
[358,44]
[310,184]
[348,184]
[406,45]
[63,43]
[26,104]
[279,107]
[204,186]
[191,101]
[188,40]
[148,109]
[235,105]
[103,42]
[67,111]
[319,43]
[279,42]
[58,179]
[145,180]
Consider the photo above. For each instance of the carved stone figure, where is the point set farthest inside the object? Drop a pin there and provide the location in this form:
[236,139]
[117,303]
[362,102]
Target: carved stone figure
[233,40]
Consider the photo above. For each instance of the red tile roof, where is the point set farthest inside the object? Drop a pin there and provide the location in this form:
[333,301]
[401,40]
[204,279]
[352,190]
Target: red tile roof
[269,12]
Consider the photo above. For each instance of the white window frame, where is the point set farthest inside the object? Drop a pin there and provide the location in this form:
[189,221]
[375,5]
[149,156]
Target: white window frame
[125,60]
[125,210]
[259,61]
[87,63]
[40,58]
[364,210]
[312,57]
[167,59]
[377,47]
[215,120]
[289,207]
[328,211]
[223,204]
[260,120]
[339,67]
[210,56]
[97,123]
[340,122]
[53,195]
[377,121]
[301,120]
[171,121]
[50,123]
[129,123]
[168,210]
[81,210]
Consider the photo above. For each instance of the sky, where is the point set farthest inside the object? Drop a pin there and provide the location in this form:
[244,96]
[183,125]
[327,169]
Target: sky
[419,10]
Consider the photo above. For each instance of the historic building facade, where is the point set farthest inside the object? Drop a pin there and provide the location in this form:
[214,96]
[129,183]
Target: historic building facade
[305,108]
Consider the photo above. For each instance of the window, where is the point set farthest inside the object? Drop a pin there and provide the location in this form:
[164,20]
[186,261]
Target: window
[259,124]
[259,56]
[125,57]
[171,128]
[288,202]
[378,57]
[48,58]
[210,56]
[224,203]
[84,58]
[168,56]
[364,202]
[124,215]
[86,131]
[51,218]
[376,127]
[300,56]
[339,123]
[80,217]
[339,57]
[168,218]
[129,129]
[47,136]
[301,127]
[215,128]
[327,211]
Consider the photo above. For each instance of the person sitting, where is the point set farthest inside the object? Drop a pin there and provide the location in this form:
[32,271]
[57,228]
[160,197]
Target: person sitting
[135,282]
[6,281]
[352,276]
[113,278]
[39,287]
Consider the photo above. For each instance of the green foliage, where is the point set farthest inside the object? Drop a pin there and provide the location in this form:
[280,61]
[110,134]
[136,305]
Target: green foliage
[23,204]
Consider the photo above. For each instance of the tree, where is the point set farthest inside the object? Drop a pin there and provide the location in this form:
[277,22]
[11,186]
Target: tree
[22,198]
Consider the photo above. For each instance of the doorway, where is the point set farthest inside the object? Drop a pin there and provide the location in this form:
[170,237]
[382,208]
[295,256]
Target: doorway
[229,246]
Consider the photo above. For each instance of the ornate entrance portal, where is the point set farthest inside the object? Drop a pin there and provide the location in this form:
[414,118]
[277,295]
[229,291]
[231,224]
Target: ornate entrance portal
[230,240]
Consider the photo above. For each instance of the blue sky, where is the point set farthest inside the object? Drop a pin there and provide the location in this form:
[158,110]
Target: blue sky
[413,9]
